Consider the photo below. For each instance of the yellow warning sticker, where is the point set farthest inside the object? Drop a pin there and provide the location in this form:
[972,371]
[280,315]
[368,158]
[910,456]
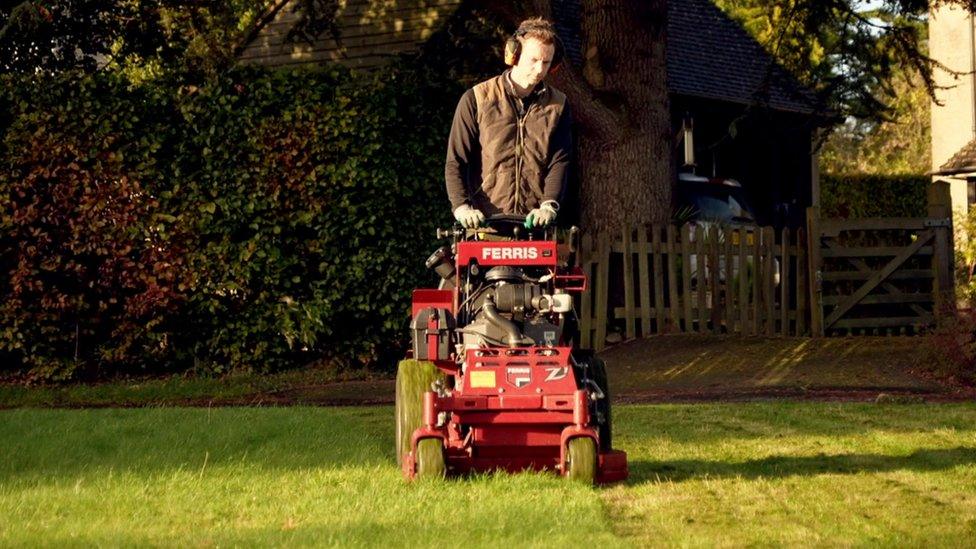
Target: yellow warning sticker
[482,379]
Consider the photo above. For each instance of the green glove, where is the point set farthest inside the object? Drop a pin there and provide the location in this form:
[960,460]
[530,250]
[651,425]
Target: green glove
[542,216]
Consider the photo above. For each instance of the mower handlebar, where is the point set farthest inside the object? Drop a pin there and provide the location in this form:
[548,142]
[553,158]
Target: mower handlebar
[495,221]
[511,219]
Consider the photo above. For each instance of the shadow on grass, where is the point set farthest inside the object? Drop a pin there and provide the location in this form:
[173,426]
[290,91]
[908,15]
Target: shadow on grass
[643,471]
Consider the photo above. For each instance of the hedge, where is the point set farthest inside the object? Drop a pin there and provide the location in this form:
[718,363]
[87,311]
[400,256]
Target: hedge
[265,220]
[860,196]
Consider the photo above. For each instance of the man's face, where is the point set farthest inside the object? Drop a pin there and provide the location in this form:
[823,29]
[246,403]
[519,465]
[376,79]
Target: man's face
[534,62]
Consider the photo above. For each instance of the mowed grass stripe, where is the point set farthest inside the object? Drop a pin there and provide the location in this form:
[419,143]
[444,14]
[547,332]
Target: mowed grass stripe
[798,474]
[702,475]
[258,476]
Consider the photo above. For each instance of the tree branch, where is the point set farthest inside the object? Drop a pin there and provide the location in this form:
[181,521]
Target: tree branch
[596,119]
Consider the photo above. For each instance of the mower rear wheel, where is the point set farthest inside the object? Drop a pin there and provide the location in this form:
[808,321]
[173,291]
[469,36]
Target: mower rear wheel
[596,369]
[430,459]
[581,460]
[413,379]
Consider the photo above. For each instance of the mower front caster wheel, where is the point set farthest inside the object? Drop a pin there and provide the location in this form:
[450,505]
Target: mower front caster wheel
[430,459]
[581,460]
[413,379]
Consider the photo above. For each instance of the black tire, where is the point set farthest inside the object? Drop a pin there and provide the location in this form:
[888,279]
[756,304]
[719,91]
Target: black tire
[596,369]
[581,460]
[430,459]
[413,379]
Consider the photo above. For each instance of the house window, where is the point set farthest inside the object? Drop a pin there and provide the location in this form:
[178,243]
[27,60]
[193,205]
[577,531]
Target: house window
[970,192]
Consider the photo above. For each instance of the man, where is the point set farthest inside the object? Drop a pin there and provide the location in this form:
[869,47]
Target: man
[510,142]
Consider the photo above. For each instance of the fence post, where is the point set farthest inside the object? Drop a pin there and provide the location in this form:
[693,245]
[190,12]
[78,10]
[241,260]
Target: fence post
[644,277]
[784,282]
[673,280]
[728,286]
[744,326]
[602,296]
[757,281]
[658,252]
[769,280]
[715,288]
[814,268]
[686,277]
[943,264]
[802,282]
[701,234]
[630,319]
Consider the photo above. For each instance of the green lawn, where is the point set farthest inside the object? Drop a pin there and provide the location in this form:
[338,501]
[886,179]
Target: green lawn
[702,475]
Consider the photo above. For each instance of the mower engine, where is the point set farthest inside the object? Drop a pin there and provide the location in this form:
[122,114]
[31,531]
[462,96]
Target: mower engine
[495,381]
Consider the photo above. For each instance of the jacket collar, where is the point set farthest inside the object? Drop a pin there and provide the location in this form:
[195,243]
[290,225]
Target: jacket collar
[537,92]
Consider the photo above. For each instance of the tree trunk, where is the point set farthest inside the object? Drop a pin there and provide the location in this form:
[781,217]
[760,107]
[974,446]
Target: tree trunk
[626,172]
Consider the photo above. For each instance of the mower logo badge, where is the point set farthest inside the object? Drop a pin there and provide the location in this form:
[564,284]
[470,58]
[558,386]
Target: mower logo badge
[524,252]
[556,374]
[519,377]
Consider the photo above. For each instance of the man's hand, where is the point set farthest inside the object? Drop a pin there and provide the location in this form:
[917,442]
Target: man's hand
[542,216]
[468,217]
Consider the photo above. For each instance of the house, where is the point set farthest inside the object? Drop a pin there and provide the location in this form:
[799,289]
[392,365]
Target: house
[753,122]
[369,33]
[952,42]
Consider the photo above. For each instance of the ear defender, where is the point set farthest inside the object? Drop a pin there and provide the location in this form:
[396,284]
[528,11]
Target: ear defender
[513,47]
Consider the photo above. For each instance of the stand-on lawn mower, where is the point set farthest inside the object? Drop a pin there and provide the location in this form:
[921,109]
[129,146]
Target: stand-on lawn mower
[494,381]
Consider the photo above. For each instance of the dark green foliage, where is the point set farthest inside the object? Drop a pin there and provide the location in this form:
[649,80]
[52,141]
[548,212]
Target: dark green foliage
[50,36]
[859,196]
[849,52]
[262,220]
[90,271]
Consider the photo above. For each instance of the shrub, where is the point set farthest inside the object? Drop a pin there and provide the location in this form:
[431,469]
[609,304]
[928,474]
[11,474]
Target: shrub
[859,196]
[964,225]
[90,272]
[951,347]
[262,220]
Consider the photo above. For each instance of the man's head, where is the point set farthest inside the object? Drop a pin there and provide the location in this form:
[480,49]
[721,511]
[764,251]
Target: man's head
[532,51]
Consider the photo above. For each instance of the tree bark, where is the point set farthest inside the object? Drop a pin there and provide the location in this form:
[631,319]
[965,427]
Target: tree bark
[626,178]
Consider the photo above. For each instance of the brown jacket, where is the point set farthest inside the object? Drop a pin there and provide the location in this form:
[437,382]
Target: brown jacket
[507,154]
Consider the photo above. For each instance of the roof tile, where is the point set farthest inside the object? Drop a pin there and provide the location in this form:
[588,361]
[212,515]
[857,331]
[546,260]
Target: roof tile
[964,161]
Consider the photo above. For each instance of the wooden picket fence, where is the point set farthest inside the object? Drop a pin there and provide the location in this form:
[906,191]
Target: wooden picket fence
[669,279]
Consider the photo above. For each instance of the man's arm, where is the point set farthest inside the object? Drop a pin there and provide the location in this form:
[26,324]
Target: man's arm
[560,150]
[462,147]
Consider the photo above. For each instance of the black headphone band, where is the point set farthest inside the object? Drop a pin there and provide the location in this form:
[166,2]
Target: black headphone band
[522,30]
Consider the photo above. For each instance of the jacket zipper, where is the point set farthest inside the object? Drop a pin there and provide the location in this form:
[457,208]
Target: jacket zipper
[519,144]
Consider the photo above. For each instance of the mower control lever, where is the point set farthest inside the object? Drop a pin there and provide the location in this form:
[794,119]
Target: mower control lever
[449,233]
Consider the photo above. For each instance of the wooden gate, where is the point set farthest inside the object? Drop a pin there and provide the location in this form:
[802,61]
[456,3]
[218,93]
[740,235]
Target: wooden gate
[881,275]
